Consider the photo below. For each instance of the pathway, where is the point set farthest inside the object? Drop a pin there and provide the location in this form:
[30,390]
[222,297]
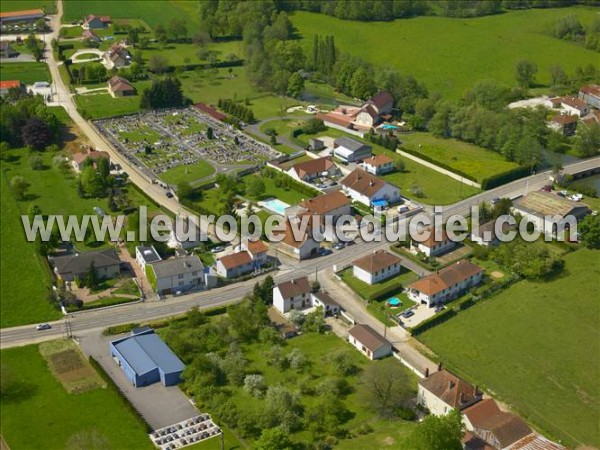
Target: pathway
[255,129]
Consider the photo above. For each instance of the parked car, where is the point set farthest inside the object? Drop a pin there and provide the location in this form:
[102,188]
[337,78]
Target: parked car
[439,308]
[217,249]
[324,251]
[408,313]
[169,195]
[547,188]
[494,200]
[43,326]
[339,246]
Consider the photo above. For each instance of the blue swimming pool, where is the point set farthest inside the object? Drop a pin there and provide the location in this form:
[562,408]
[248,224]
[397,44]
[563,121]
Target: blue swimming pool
[387,126]
[394,301]
[275,205]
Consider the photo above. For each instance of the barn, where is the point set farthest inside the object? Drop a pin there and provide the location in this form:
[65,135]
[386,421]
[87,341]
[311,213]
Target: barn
[146,359]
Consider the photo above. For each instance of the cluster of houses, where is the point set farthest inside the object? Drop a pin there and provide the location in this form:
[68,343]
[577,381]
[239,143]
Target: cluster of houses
[585,109]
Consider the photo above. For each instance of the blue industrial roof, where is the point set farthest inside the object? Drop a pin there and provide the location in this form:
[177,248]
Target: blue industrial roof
[144,352]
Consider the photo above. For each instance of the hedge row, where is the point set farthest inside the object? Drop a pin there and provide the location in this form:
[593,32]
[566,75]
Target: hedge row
[505,177]
[438,163]
[112,386]
[384,293]
[119,329]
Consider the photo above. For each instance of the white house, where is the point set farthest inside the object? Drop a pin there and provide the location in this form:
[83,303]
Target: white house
[574,106]
[378,165]
[176,274]
[366,188]
[485,234]
[350,150]
[377,266]
[293,294]
[257,251]
[369,342]
[447,284]
[367,117]
[442,392]
[236,265]
[324,300]
[146,255]
[431,245]
[304,247]
[590,94]
[309,170]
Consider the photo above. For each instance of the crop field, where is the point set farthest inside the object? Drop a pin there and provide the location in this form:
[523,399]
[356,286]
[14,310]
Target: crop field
[49,6]
[460,51]
[27,73]
[536,345]
[475,161]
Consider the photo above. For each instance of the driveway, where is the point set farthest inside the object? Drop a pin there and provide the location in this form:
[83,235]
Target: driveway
[21,58]
[161,406]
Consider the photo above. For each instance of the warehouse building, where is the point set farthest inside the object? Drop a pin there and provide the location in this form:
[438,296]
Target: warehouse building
[145,359]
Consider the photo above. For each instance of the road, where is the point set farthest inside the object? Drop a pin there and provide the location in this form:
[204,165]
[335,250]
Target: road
[255,130]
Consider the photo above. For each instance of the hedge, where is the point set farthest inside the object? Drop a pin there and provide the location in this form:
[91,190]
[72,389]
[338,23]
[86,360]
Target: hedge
[384,292]
[119,329]
[438,163]
[433,321]
[113,386]
[505,177]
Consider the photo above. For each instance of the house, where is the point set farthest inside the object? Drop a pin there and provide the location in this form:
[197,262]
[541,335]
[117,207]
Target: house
[324,300]
[376,267]
[474,415]
[6,50]
[378,165]
[593,118]
[89,34]
[333,204]
[79,159]
[443,391]
[210,111]
[120,87]
[316,144]
[535,441]
[293,294]
[257,251]
[75,266]
[309,170]
[360,118]
[427,242]
[590,94]
[350,150]
[28,15]
[382,102]
[185,234]
[502,429]
[485,234]
[303,247]
[146,255]
[574,106]
[368,189]
[116,56]
[549,213]
[447,284]
[564,124]
[286,329]
[145,358]
[367,117]
[369,342]
[236,264]
[93,22]
[6,86]
[176,274]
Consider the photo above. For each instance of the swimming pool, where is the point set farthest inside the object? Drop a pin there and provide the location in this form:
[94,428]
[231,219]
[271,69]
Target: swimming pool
[274,205]
[394,301]
[387,126]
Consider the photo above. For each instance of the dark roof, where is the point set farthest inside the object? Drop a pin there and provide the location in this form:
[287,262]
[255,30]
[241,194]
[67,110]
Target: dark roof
[294,287]
[491,228]
[210,111]
[480,411]
[145,351]
[450,389]
[176,266]
[368,337]
[149,254]
[326,299]
[117,83]
[506,427]
[381,99]
[349,143]
[376,261]
[80,262]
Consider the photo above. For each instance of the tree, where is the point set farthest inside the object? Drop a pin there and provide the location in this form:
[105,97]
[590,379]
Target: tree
[177,29]
[209,133]
[558,75]
[295,85]
[587,142]
[255,385]
[33,210]
[438,433]
[164,93]
[342,362]
[19,186]
[91,279]
[386,388]
[184,190]
[160,34]
[36,133]
[400,166]
[256,188]
[274,439]
[525,73]
[92,183]
[103,168]
[589,229]
[281,408]
[297,360]
[36,162]
[158,64]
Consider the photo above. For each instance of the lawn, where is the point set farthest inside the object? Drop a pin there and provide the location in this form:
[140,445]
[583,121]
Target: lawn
[185,173]
[366,290]
[99,105]
[39,399]
[460,51]
[470,159]
[49,6]
[27,73]
[289,196]
[537,347]
[176,54]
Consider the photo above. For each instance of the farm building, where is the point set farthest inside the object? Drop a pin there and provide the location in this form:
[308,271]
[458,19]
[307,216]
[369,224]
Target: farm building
[369,342]
[145,359]
[350,150]
[29,15]
[120,87]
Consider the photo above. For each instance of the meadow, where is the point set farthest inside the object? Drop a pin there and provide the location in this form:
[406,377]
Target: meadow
[449,54]
[27,73]
[49,6]
[185,173]
[536,346]
[99,105]
[287,195]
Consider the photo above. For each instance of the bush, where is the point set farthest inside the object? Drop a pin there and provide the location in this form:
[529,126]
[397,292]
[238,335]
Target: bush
[118,329]
[255,385]
[505,177]
[313,126]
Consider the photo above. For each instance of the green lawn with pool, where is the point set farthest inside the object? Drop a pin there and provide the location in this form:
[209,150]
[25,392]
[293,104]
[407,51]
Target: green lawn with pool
[536,346]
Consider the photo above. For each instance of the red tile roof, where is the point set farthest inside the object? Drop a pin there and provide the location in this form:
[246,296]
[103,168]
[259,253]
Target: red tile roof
[326,203]
[376,261]
[236,259]
[381,99]
[256,247]
[574,102]
[117,83]
[506,427]
[564,119]
[314,166]
[450,389]
[363,182]
[295,287]
[10,84]
[446,278]
[378,160]
[210,111]
[591,89]
[480,411]
[368,337]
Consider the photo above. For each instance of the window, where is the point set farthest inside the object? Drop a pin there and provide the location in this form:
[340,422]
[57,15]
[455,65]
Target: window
[180,276]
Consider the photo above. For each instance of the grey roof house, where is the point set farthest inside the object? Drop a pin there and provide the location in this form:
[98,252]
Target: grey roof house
[350,150]
[176,274]
[68,267]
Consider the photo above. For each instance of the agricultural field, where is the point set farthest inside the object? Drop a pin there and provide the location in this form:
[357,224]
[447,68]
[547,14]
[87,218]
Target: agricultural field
[543,356]
[27,73]
[470,159]
[49,6]
[61,419]
[471,50]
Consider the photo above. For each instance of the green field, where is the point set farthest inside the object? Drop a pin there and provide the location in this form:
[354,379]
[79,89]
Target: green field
[152,12]
[366,290]
[49,6]
[470,159]
[536,346]
[448,54]
[27,73]
[99,105]
[289,196]
[56,416]
[176,54]
[190,173]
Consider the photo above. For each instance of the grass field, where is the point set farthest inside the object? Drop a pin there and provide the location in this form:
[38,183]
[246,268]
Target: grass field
[475,161]
[176,54]
[49,6]
[460,51]
[289,196]
[537,347]
[38,398]
[99,105]
[366,290]
[190,173]
[27,73]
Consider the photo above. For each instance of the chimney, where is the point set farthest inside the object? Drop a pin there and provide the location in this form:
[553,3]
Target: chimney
[461,399]
[450,384]
[427,372]
[439,367]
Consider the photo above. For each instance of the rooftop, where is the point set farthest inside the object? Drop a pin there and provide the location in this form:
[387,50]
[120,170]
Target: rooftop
[591,89]
[381,99]
[376,261]
[10,84]
[149,254]
[210,111]
[325,203]
[446,278]
[480,411]
[313,166]
[368,337]
[535,442]
[547,204]
[378,160]
[349,143]
[363,182]
[80,262]
[452,390]
[325,298]
[256,247]
[506,427]
[236,260]
[175,266]
[294,287]
[117,83]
